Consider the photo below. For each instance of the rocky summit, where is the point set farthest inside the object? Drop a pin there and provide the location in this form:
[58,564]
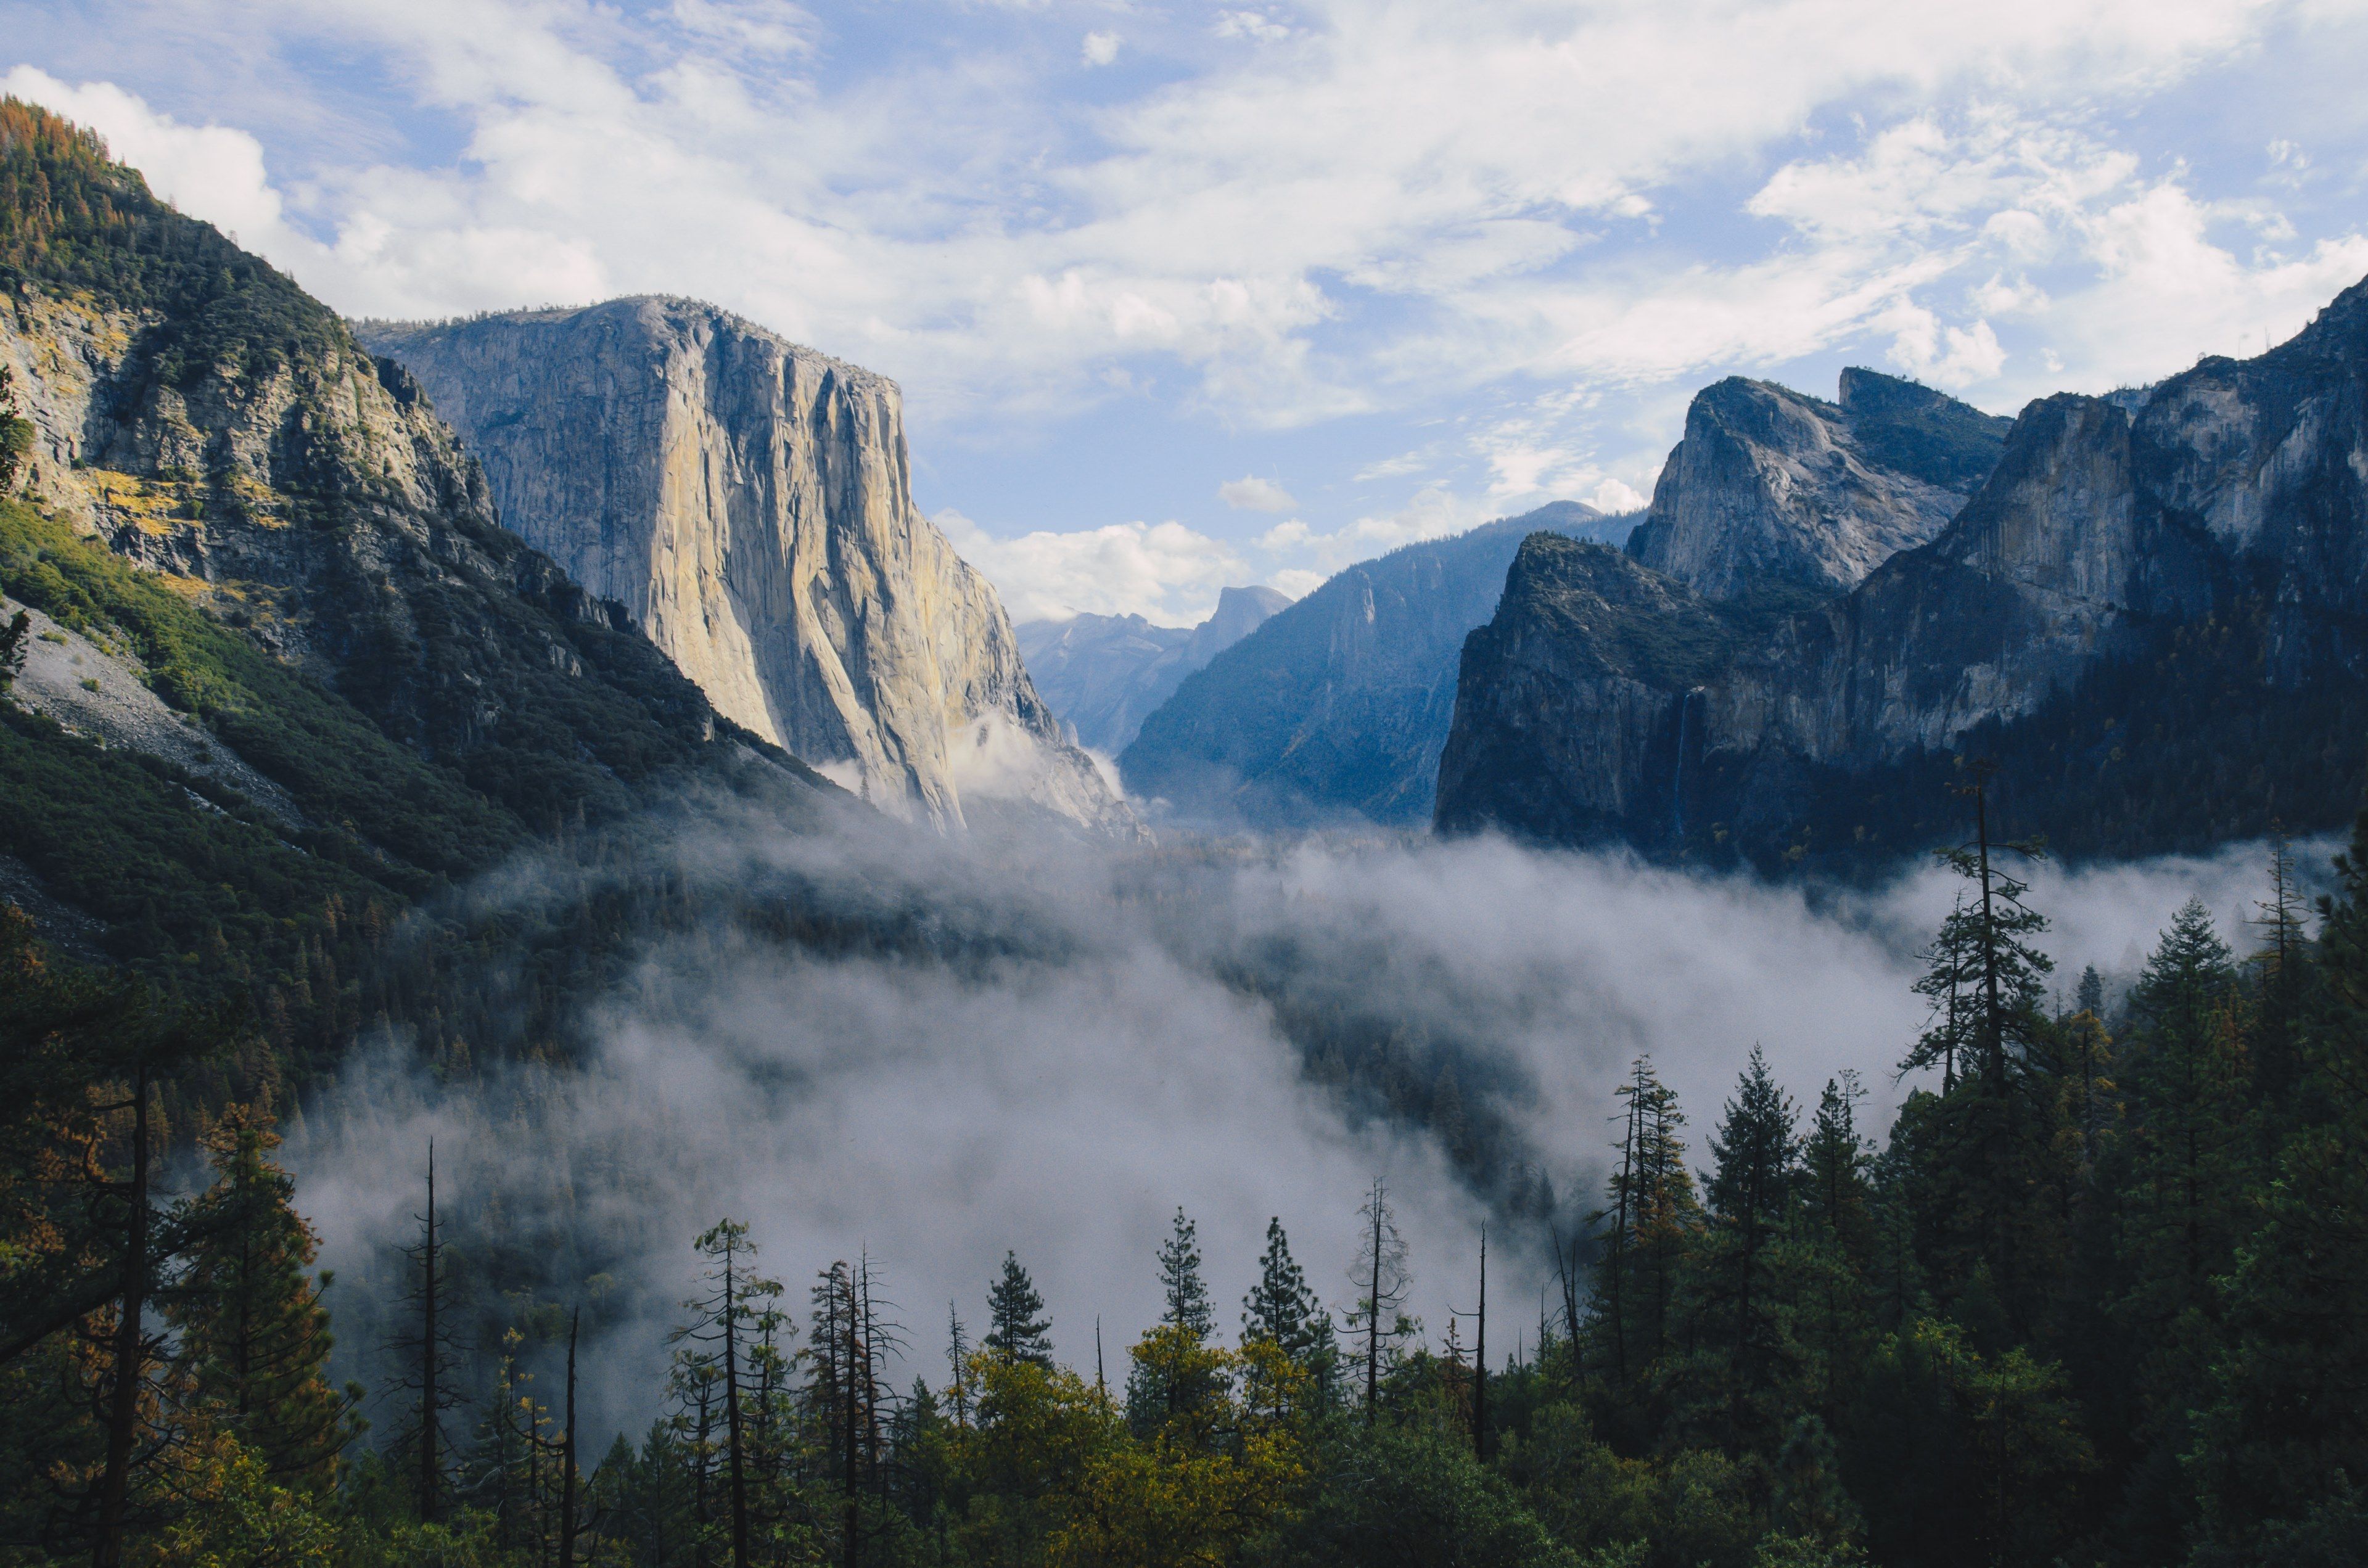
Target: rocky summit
[749,502]
[2151,616]
[1772,488]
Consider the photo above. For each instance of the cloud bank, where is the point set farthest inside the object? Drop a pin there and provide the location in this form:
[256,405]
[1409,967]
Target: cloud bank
[1070,1051]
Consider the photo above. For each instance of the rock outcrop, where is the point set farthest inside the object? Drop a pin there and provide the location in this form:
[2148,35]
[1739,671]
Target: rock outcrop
[1770,487]
[748,502]
[1334,711]
[2153,614]
[1105,674]
[346,685]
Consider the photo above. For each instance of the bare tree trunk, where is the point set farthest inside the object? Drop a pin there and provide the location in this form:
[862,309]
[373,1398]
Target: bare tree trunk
[1480,1360]
[731,1412]
[427,1357]
[567,1455]
[849,1520]
[1374,1317]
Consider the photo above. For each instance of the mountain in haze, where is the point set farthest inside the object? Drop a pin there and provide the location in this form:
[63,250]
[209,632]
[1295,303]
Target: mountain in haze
[1105,674]
[749,502]
[1334,711]
[2151,616]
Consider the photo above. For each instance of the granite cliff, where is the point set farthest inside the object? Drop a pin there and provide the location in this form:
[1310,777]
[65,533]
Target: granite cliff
[289,678]
[748,502]
[1334,711]
[2152,614]
[1772,489]
[1105,674]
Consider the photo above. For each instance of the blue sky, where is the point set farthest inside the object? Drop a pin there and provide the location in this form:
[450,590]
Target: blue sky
[1186,295]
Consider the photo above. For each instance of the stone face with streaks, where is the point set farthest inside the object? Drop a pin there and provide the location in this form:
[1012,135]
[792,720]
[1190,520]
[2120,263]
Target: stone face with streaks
[2152,614]
[749,502]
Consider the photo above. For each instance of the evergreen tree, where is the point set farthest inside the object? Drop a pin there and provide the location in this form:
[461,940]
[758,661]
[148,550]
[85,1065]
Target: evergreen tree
[1282,1309]
[724,1328]
[1174,1381]
[1179,1280]
[249,1318]
[2090,997]
[2281,974]
[1751,1193]
[1016,1330]
[2185,1075]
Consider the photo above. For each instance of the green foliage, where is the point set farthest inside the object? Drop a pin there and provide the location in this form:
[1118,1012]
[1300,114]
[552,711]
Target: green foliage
[1912,429]
[1413,1494]
[1018,1329]
[73,222]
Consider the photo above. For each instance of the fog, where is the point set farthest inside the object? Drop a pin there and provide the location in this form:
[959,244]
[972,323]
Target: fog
[1079,1041]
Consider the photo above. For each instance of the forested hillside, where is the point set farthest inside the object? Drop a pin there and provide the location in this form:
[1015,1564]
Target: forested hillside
[242,513]
[2091,1300]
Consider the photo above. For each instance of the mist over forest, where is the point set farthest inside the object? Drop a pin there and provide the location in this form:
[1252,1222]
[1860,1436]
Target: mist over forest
[1080,1041]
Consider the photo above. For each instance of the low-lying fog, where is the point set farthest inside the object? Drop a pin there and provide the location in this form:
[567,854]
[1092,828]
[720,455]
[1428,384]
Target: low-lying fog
[1081,1066]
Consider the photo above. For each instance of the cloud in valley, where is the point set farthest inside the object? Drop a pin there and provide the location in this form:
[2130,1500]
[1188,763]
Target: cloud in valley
[1065,1062]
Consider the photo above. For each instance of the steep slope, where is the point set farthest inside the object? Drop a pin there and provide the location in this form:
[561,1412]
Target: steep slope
[240,510]
[1105,674]
[1335,710]
[2154,615]
[748,502]
[1773,487]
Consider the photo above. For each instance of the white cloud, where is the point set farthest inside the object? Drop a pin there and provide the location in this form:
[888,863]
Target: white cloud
[1251,25]
[1614,496]
[1425,212]
[1164,572]
[942,220]
[1251,493]
[1433,512]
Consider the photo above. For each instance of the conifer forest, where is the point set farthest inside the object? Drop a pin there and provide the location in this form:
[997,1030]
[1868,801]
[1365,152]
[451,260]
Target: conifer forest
[2092,1297]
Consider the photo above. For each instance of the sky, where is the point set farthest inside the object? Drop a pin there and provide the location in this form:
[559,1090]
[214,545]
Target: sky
[1183,296]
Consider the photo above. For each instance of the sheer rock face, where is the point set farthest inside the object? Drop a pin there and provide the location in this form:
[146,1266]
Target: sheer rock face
[748,501]
[2193,560]
[1769,487]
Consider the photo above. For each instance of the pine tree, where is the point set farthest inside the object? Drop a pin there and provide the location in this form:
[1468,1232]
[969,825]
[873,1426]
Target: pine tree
[1016,1330]
[1187,1297]
[1751,1190]
[2186,1075]
[2281,974]
[1176,1382]
[1281,1309]
[250,1320]
[722,1331]
[1840,1226]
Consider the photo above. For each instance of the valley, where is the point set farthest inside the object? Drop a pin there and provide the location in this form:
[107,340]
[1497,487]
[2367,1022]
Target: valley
[575,990]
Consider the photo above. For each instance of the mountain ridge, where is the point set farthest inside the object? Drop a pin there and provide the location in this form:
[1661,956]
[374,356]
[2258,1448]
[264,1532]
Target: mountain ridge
[748,500]
[2153,614]
[1334,711]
